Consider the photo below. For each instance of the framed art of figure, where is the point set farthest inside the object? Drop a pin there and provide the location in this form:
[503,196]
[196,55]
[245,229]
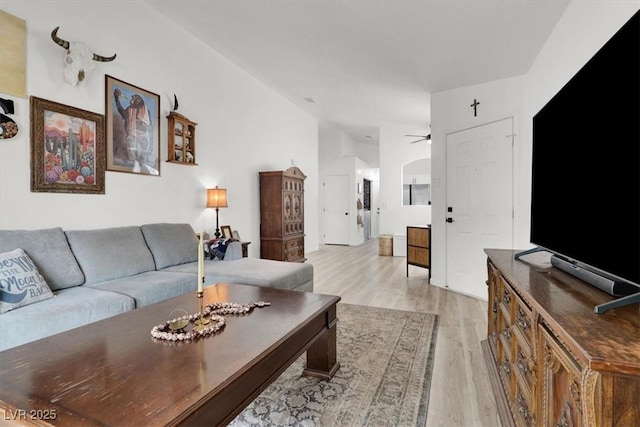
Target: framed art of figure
[133,128]
[67,149]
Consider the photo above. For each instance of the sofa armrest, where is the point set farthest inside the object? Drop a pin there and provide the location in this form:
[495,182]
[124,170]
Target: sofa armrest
[234,251]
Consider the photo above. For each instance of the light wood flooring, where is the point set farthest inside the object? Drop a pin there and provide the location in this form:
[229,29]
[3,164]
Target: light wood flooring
[461,394]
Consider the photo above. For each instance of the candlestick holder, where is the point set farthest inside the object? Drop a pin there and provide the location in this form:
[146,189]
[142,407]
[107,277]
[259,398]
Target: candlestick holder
[201,322]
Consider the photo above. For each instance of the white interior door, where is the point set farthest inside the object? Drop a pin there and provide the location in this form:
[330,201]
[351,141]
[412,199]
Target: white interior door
[336,209]
[479,202]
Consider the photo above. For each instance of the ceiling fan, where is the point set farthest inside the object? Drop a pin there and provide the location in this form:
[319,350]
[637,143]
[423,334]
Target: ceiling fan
[422,138]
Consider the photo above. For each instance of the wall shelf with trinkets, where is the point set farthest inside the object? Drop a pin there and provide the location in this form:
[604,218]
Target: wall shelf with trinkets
[182,140]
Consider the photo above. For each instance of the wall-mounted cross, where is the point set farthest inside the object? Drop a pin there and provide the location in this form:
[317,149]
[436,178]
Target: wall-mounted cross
[475,107]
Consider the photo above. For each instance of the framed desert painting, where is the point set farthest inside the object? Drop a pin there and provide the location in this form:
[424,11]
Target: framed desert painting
[133,128]
[67,149]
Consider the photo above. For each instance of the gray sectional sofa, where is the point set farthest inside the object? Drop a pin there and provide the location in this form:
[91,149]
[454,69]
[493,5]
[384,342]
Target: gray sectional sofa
[95,274]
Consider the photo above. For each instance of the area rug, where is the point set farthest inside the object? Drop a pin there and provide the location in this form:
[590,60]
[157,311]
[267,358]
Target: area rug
[386,360]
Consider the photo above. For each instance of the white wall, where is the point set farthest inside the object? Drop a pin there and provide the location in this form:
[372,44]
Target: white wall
[451,111]
[369,153]
[243,126]
[581,31]
[396,151]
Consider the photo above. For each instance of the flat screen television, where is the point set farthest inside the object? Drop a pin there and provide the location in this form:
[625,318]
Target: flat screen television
[585,196]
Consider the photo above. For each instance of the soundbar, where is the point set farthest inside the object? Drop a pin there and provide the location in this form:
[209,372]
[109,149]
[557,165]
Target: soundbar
[627,293]
[630,293]
[596,280]
[612,287]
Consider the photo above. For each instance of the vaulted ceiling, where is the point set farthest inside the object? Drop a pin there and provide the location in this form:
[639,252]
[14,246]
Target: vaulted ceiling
[361,64]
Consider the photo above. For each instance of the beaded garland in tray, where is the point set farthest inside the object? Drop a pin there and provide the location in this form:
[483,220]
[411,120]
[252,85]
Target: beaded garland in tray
[174,329]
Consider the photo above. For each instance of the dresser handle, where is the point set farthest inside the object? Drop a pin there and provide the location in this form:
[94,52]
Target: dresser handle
[506,334]
[506,298]
[506,367]
[524,411]
[523,322]
[522,364]
[523,367]
[562,422]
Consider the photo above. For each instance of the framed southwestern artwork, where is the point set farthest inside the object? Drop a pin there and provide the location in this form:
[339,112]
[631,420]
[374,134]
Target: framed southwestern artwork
[133,128]
[67,149]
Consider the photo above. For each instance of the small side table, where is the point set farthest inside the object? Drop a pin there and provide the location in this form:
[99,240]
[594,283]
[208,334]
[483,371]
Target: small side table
[245,249]
[419,248]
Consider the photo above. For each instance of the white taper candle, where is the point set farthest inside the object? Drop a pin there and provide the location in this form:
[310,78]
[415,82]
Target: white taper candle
[200,262]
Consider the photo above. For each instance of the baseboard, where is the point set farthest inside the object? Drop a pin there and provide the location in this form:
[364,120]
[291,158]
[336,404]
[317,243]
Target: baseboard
[459,292]
[506,419]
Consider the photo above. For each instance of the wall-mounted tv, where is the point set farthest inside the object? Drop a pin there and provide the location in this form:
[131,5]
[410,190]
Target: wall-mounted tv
[585,201]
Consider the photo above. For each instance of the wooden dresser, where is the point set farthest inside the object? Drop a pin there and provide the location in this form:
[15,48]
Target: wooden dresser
[419,248]
[282,215]
[552,361]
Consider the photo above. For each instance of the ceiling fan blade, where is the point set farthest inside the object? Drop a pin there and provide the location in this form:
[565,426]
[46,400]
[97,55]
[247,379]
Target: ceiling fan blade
[417,136]
[418,140]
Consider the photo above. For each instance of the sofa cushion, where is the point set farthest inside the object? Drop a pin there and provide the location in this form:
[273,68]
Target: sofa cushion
[71,308]
[110,253]
[253,271]
[171,244]
[151,287]
[20,281]
[49,251]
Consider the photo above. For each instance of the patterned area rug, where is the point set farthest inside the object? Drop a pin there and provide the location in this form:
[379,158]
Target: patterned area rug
[386,360]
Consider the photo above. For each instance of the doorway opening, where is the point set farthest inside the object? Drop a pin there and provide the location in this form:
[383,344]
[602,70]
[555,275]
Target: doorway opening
[366,196]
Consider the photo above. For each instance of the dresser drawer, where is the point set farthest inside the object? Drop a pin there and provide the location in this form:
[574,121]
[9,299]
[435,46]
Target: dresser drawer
[523,320]
[294,244]
[507,298]
[295,254]
[294,249]
[522,409]
[505,372]
[523,366]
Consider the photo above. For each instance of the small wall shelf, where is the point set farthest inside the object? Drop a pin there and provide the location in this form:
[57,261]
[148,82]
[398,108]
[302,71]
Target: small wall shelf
[182,140]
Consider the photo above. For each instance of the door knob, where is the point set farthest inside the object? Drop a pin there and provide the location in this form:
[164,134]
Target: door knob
[346,213]
[449,220]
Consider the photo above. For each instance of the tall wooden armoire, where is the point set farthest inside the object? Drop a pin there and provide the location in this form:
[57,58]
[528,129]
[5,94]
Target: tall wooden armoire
[282,215]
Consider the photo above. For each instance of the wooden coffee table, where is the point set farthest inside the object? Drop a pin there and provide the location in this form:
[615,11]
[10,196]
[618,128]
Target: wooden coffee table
[113,373]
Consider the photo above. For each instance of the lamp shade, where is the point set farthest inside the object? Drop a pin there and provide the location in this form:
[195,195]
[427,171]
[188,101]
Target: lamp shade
[217,198]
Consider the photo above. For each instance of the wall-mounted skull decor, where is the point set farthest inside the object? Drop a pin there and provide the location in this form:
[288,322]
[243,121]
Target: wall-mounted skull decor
[8,128]
[78,59]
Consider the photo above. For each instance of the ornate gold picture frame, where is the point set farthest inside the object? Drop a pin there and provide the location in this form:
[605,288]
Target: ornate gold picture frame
[67,149]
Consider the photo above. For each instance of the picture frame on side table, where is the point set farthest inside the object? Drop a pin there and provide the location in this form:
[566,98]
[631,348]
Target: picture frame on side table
[132,128]
[67,149]
[226,232]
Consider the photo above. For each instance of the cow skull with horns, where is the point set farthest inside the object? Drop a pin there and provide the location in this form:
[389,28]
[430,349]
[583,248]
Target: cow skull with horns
[78,59]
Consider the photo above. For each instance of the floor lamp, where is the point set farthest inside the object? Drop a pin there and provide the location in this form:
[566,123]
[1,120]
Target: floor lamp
[217,198]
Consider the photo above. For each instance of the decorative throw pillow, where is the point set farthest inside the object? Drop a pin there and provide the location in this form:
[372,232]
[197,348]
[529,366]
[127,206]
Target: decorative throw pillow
[20,281]
[216,248]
